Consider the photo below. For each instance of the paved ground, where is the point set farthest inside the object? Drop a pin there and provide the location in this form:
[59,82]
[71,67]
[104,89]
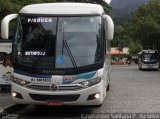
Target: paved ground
[131,91]
[5,100]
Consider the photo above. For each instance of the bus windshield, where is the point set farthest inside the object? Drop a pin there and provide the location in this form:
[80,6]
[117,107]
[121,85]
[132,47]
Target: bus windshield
[149,57]
[58,42]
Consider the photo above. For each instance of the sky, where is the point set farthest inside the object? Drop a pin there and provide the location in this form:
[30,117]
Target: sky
[108,1]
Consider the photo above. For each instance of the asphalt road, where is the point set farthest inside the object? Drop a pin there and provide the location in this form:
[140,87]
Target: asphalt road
[131,91]
[5,99]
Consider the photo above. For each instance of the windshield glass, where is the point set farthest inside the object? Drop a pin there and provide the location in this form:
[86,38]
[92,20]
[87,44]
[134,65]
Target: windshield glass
[78,41]
[34,41]
[149,57]
[58,42]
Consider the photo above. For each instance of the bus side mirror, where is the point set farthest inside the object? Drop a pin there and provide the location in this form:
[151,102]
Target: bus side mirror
[109,27]
[5,25]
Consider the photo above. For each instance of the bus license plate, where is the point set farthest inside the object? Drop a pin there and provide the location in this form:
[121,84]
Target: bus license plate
[54,103]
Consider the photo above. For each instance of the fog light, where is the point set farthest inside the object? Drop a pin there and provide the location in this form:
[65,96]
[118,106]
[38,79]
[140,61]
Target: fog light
[94,96]
[97,96]
[17,95]
[14,94]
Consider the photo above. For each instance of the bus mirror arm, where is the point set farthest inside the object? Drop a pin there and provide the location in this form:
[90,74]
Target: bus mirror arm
[5,25]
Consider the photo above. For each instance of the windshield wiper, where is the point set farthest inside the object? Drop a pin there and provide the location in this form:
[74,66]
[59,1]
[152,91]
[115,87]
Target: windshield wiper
[65,44]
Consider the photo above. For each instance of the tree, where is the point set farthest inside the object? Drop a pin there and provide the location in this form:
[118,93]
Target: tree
[142,30]
[134,47]
[146,25]
[121,37]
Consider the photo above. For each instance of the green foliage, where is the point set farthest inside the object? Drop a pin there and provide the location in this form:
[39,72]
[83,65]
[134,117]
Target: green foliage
[119,32]
[121,38]
[147,25]
[142,30]
[7,7]
[134,47]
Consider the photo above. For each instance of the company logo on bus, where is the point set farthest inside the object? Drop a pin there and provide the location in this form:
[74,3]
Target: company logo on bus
[40,20]
[53,87]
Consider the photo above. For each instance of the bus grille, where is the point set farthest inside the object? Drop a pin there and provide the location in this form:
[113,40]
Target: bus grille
[65,98]
[60,87]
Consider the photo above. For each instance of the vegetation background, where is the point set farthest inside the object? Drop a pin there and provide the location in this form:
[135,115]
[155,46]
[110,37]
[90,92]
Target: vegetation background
[141,30]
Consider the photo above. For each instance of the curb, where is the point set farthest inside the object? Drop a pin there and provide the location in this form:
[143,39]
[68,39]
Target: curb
[6,109]
[11,108]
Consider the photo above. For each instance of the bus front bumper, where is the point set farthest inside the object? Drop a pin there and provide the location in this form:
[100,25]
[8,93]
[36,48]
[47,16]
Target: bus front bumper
[150,66]
[87,96]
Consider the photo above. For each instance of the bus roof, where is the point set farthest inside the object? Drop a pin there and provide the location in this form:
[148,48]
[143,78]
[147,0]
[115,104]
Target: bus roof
[63,9]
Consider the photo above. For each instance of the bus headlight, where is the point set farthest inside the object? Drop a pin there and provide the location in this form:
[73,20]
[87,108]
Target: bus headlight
[19,81]
[91,82]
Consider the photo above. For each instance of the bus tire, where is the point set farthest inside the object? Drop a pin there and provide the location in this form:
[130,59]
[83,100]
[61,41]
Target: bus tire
[108,87]
[157,69]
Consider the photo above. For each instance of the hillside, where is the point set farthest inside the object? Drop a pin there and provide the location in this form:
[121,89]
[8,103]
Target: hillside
[121,9]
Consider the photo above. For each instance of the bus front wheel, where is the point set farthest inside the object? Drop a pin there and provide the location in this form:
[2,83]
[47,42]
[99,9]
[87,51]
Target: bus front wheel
[108,87]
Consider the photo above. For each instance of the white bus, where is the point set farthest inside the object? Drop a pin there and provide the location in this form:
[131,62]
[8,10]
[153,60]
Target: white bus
[148,59]
[60,54]
[5,70]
